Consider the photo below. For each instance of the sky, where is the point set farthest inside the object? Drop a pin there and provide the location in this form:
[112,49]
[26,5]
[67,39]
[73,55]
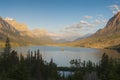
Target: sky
[62,17]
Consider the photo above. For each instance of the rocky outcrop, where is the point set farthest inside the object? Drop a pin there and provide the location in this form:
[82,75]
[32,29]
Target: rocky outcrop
[113,26]
[21,27]
[5,26]
[7,30]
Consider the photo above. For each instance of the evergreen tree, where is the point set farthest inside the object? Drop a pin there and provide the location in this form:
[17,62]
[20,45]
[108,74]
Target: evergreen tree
[7,49]
[104,67]
[33,67]
[5,56]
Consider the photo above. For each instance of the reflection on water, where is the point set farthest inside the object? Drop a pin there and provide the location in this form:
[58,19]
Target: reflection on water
[65,73]
[62,55]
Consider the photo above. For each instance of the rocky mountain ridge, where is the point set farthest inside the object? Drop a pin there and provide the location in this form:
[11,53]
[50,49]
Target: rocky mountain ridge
[19,34]
[103,38]
[113,26]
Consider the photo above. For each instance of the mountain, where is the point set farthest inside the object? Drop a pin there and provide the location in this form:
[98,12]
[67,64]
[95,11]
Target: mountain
[85,36]
[109,36]
[62,41]
[6,28]
[113,26]
[19,34]
[42,35]
[21,27]
[40,32]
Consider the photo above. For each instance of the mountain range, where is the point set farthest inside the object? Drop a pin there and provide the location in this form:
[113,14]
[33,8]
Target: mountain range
[113,26]
[20,35]
[107,37]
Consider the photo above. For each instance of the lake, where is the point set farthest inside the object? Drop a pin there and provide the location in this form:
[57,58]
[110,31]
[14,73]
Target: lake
[62,55]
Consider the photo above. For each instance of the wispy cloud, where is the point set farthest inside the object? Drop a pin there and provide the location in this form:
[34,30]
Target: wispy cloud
[100,22]
[78,26]
[8,18]
[86,25]
[88,17]
[115,8]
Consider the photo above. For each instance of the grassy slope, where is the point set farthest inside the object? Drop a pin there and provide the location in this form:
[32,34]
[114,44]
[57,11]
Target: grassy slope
[97,42]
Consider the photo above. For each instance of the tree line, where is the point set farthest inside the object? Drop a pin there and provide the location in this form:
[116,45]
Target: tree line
[107,69]
[34,67]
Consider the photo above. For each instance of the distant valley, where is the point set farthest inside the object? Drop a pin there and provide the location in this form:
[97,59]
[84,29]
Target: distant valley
[21,35]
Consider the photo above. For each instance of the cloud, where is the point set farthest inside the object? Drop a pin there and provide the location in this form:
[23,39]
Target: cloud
[85,26]
[84,22]
[8,18]
[115,8]
[100,22]
[88,17]
[78,26]
[97,21]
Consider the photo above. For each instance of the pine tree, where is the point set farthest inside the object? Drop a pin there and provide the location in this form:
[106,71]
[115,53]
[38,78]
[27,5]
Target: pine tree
[7,49]
[5,56]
